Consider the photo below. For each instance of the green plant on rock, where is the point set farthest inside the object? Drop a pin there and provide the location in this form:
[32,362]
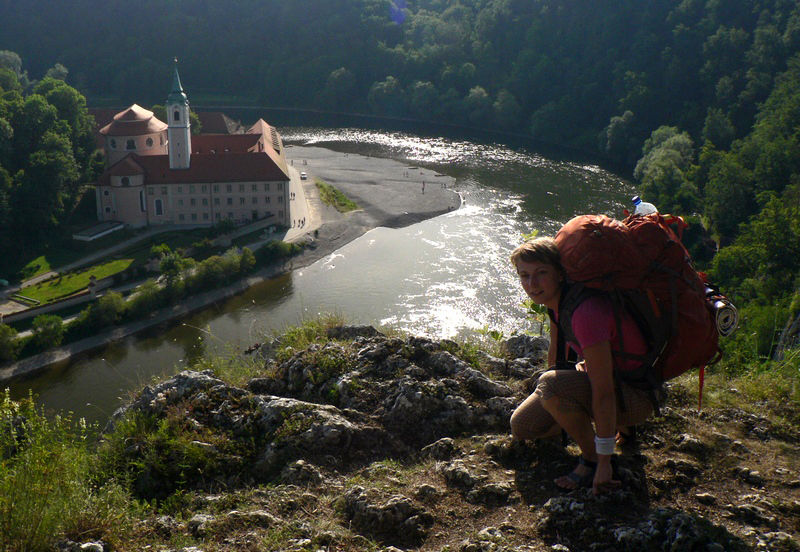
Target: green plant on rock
[161,456]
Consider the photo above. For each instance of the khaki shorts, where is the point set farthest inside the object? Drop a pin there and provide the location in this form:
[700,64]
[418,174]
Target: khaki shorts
[530,420]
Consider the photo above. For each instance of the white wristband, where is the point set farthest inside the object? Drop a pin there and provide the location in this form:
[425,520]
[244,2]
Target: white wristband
[604,445]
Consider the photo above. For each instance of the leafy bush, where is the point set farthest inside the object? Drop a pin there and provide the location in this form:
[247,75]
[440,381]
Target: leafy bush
[45,481]
[48,330]
[9,346]
[159,457]
[275,251]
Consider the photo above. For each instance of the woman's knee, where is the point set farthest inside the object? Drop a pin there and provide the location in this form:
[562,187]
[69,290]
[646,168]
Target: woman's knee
[530,421]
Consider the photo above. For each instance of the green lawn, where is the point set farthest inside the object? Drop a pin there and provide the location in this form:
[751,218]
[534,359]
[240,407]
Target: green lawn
[61,287]
[69,252]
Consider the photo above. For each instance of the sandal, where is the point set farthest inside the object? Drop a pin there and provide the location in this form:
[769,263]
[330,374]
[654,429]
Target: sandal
[626,437]
[586,480]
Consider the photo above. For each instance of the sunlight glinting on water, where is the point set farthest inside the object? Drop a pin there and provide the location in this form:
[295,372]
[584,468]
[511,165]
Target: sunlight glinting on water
[449,276]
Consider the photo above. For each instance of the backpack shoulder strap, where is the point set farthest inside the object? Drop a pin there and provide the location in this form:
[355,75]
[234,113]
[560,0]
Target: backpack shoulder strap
[572,295]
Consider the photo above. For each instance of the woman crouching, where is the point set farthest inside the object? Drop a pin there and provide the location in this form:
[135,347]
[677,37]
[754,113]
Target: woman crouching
[571,399]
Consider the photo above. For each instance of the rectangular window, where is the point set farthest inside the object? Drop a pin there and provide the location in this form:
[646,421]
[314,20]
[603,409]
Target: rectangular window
[254,187]
[216,216]
[205,216]
[180,203]
[266,199]
[193,202]
[280,185]
[216,201]
[255,200]
[203,188]
[191,188]
[205,202]
[216,188]
[230,201]
[241,201]
[180,189]
[142,204]
[181,217]
[241,187]
[229,187]
[163,190]
[280,199]
[266,186]
[280,214]
[255,215]
[194,216]
[159,208]
[151,190]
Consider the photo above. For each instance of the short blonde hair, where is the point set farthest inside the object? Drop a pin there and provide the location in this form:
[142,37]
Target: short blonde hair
[538,250]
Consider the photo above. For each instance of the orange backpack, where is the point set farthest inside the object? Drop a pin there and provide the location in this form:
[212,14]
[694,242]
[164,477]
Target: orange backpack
[641,264]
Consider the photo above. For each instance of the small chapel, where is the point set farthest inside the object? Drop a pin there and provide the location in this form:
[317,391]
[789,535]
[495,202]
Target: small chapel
[158,173]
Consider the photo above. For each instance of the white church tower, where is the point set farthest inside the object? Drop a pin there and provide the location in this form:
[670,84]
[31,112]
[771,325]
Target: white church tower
[178,133]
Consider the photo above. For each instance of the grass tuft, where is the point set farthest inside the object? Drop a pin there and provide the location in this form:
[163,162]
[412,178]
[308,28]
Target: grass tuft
[331,196]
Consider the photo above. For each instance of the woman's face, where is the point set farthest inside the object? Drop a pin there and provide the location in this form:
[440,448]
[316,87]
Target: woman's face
[541,281]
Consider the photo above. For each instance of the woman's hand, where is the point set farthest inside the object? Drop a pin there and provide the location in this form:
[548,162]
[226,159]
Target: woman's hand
[604,476]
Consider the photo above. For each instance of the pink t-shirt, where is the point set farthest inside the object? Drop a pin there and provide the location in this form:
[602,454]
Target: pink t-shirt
[593,322]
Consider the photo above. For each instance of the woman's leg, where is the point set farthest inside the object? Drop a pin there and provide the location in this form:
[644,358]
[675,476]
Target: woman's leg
[531,421]
[567,397]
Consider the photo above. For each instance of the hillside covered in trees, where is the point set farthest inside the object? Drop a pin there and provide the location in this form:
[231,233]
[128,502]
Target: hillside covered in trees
[698,99]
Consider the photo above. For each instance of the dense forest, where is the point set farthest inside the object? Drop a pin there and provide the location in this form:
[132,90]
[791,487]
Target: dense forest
[698,99]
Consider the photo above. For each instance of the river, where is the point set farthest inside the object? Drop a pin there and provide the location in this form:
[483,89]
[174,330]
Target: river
[444,277]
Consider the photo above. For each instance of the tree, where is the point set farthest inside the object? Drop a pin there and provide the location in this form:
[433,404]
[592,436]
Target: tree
[618,140]
[48,330]
[718,129]
[478,106]
[247,261]
[9,346]
[729,197]
[107,310]
[506,110]
[386,97]
[663,169]
[58,72]
[339,89]
[422,99]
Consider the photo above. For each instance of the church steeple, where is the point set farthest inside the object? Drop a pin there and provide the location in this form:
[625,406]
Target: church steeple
[179,131]
[177,95]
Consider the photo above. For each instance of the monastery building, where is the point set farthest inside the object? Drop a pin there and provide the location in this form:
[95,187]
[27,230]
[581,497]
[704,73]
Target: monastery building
[158,173]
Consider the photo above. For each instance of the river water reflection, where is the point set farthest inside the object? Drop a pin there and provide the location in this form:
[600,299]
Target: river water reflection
[444,277]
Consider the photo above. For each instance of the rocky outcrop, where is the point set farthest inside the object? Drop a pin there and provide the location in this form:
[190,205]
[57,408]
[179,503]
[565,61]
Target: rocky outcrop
[373,442]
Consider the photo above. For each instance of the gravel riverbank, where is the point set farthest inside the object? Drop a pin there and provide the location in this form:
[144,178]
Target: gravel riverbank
[389,193]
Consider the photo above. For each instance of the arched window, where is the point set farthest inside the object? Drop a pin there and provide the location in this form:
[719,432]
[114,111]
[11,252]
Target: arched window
[176,115]
[149,142]
[126,181]
[130,144]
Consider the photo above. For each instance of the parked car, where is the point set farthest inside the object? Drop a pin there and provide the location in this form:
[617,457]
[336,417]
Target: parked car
[303,176]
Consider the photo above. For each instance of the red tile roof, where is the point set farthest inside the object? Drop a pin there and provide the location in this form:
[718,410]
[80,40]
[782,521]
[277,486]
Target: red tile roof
[134,121]
[219,167]
[219,143]
[126,166]
[216,122]
[272,141]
